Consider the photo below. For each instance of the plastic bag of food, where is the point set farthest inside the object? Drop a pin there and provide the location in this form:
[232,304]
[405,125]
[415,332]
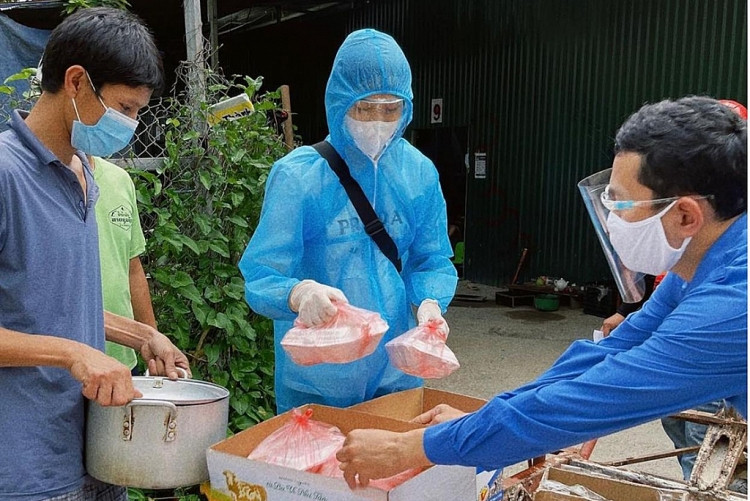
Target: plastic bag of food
[422,352]
[305,444]
[353,333]
[388,483]
[301,443]
[330,468]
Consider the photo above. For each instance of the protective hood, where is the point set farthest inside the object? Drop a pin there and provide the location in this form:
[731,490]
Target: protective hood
[368,62]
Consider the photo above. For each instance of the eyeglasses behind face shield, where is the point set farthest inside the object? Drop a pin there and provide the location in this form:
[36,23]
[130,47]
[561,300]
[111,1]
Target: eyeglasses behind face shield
[383,109]
[619,205]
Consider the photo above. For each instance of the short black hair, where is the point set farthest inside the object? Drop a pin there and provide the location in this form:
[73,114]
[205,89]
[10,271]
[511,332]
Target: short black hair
[692,145]
[113,45]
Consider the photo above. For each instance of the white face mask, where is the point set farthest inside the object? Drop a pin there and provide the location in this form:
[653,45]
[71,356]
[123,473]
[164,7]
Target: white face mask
[371,137]
[642,245]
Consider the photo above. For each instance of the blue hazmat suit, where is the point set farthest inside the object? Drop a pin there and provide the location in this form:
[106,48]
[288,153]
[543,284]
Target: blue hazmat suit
[310,230]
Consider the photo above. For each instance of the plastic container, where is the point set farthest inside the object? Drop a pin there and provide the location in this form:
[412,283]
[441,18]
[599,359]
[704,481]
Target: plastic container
[546,302]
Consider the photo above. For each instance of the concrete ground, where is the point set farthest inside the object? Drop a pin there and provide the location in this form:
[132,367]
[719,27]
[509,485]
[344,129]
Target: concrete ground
[500,348]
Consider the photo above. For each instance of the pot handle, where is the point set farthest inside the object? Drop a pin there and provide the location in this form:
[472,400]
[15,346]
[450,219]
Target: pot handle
[182,371]
[170,425]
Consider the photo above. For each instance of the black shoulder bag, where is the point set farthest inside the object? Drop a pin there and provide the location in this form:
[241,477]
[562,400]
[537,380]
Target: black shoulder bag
[373,226]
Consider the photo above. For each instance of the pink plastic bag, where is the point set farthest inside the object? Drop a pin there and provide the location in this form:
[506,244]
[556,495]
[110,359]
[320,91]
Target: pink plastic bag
[330,468]
[308,445]
[386,484]
[353,333]
[422,352]
[302,443]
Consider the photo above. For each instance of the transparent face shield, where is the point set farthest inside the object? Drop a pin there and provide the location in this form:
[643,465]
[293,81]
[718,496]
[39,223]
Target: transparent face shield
[630,283]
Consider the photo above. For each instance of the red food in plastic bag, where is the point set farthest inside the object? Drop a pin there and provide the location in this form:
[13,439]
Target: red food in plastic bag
[302,443]
[353,333]
[330,468]
[308,445]
[388,483]
[422,352]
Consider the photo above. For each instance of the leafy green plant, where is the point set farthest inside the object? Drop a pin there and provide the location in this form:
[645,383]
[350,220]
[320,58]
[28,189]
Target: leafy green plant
[11,96]
[198,211]
[26,75]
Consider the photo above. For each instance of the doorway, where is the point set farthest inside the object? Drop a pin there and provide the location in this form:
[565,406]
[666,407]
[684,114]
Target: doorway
[447,148]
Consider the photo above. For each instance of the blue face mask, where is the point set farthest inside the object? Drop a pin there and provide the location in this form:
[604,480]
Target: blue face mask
[109,135]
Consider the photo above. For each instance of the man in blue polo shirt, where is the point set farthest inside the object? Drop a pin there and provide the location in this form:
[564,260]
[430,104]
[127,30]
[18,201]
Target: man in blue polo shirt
[676,200]
[100,67]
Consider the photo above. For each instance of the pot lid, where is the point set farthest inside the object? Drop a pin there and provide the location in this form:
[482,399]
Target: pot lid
[179,392]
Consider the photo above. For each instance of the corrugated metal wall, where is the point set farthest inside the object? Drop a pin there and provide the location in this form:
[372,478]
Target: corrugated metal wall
[296,53]
[543,86]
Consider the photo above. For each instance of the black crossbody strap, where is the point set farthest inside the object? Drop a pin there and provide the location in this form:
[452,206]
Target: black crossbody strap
[373,225]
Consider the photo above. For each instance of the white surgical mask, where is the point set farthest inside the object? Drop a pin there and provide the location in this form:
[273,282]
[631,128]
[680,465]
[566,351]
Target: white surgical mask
[642,245]
[371,137]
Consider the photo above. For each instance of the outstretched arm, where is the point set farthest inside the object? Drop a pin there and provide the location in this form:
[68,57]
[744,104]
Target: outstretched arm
[104,379]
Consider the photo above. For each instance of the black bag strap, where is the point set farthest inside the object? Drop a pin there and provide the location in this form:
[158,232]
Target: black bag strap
[373,225]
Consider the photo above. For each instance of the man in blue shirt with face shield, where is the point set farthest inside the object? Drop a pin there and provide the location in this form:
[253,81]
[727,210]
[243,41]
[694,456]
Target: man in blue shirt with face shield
[310,247]
[675,199]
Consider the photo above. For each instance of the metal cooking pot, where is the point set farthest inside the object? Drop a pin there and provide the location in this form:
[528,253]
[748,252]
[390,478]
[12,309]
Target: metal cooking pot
[158,441]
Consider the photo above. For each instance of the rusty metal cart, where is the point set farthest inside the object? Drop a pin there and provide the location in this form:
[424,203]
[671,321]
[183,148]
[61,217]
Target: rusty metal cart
[722,452]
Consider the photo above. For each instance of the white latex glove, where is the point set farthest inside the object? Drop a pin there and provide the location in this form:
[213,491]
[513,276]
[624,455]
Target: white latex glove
[430,310]
[313,302]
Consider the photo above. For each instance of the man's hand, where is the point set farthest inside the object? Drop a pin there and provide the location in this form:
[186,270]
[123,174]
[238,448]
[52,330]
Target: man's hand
[373,454]
[104,379]
[438,414]
[156,349]
[610,323]
[163,357]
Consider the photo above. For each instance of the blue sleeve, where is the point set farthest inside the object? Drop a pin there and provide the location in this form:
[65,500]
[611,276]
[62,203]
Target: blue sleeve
[698,354]
[276,247]
[429,271]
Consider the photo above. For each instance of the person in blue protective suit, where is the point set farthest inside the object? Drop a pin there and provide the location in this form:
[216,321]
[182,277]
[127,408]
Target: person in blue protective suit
[310,248]
[675,200]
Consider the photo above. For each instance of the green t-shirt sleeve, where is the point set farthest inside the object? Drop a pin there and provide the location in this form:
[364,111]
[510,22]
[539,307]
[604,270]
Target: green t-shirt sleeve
[137,240]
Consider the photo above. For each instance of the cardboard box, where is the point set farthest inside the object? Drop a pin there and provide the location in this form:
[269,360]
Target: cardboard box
[609,488]
[234,475]
[408,404]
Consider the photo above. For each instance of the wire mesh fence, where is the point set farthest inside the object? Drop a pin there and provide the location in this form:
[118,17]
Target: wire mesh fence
[193,84]
[147,142]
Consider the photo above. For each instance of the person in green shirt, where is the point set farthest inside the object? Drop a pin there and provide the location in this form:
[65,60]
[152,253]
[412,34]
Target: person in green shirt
[121,242]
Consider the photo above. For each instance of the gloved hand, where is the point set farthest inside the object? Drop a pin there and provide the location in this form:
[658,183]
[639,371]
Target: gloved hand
[313,302]
[430,310]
